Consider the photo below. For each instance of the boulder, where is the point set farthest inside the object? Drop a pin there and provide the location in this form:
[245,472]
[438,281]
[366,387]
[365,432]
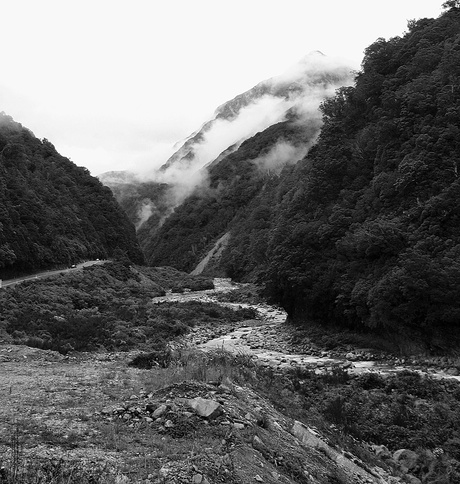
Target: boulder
[209,409]
[159,411]
[412,479]
[406,459]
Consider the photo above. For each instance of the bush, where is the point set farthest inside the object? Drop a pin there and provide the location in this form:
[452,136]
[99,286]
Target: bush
[156,358]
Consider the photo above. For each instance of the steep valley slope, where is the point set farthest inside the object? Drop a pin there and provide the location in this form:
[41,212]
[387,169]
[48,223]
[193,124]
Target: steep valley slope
[52,212]
[362,233]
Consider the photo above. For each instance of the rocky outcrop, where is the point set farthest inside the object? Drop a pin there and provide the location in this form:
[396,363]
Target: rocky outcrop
[255,441]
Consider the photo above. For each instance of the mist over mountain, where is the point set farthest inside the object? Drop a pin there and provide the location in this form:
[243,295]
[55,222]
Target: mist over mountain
[290,100]
[51,211]
[300,89]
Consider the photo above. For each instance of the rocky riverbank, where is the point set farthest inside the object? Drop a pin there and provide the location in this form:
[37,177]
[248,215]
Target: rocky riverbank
[274,343]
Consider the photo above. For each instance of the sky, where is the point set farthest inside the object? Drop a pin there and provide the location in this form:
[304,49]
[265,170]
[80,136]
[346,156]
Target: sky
[115,84]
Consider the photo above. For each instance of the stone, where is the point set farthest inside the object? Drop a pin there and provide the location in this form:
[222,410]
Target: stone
[238,426]
[203,407]
[406,459]
[197,479]
[412,479]
[258,444]
[381,452]
[159,411]
[169,424]
[258,478]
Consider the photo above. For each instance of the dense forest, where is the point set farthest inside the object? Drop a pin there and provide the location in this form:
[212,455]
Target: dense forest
[366,229]
[363,232]
[51,211]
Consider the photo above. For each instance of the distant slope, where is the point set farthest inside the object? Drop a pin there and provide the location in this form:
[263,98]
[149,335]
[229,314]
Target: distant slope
[195,225]
[314,76]
[140,200]
[51,211]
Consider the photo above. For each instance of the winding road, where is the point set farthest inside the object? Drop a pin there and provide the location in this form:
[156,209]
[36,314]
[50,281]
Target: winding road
[40,275]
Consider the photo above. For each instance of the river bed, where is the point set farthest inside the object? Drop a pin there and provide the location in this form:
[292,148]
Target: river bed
[258,339]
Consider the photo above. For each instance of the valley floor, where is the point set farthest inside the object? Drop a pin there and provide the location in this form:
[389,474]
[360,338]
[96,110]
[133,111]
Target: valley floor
[94,418]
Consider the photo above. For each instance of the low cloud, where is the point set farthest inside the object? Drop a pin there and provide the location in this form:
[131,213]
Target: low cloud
[146,210]
[282,154]
[299,90]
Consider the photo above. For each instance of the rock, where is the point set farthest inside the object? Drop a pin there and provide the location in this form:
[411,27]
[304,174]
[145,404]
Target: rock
[258,444]
[121,479]
[381,452]
[258,478]
[406,459]
[238,426]
[169,424]
[453,371]
[412,479]
[159,411]
[197,479]
[209,409]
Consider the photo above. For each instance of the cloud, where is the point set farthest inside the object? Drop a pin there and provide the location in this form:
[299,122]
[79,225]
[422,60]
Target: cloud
[282,154]
[146,210]
[300,90]
[252,119]
[316,67]
[189,175]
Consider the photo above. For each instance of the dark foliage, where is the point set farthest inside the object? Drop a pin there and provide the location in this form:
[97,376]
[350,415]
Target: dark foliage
[403,411]
[51,211]
[156,358]
[107,306]
[365,231]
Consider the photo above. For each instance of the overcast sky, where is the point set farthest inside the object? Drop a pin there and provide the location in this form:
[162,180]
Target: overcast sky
[114,84]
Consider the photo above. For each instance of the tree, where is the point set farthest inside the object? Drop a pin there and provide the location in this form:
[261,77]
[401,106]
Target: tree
[451,4]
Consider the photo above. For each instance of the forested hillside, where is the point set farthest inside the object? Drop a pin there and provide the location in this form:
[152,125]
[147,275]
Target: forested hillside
[51,211]
[219,168]
[365,231]
[234,180]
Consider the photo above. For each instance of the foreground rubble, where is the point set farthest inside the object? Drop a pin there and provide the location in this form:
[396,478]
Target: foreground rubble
[255,442]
